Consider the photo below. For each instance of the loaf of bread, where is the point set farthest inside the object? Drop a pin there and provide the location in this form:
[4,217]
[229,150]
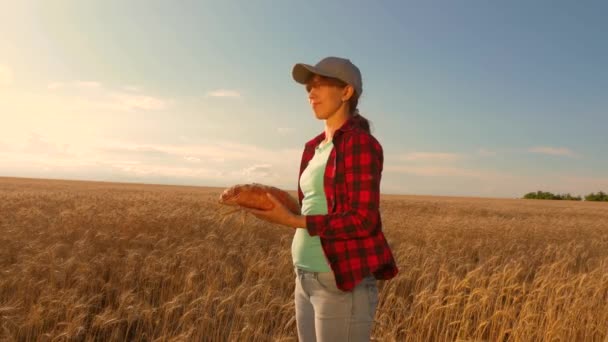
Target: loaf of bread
[253,196]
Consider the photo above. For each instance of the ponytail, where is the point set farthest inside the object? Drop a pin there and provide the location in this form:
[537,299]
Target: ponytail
[359,119]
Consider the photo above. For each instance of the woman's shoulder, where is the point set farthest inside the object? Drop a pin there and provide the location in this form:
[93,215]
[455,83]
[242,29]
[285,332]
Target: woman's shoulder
[360,136]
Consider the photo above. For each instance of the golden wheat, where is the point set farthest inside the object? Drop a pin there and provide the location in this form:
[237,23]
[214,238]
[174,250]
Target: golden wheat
[106,261]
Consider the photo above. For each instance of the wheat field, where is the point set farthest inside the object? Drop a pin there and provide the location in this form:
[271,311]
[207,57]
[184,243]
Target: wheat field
[93,261]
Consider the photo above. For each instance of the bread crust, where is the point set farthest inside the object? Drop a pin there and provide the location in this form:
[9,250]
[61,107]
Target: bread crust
[253,195]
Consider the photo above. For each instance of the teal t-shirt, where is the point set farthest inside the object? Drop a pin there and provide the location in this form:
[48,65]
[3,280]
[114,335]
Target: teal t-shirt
[306,250]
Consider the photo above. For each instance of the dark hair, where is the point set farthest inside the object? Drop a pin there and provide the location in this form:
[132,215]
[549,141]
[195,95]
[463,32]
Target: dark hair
[353,102]
[359,119]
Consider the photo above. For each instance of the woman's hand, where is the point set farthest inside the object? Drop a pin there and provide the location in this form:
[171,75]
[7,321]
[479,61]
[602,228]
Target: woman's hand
[279,214]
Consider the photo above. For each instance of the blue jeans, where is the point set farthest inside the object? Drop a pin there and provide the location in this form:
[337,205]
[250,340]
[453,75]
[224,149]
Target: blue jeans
[324,313]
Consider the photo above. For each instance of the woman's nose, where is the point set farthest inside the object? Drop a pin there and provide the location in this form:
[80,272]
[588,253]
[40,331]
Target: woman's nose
[311,99]
[312,94]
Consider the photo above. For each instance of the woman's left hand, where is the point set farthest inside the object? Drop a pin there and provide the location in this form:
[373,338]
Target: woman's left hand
[279,214]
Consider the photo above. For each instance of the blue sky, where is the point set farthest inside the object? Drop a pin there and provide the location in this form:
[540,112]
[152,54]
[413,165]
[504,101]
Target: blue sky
[468,98]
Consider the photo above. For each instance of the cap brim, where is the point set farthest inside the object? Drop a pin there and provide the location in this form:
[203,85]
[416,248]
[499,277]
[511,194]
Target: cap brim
[302,73]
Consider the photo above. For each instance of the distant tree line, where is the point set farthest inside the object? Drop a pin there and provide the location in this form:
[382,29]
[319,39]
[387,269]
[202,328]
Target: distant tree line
[599,197]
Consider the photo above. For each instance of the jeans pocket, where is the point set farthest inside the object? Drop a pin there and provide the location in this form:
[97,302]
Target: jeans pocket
[327,281]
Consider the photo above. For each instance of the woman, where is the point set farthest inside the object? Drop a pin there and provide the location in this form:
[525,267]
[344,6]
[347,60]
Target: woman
[339,250]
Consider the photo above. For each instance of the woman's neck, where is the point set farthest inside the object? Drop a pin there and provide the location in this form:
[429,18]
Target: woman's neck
[334,122]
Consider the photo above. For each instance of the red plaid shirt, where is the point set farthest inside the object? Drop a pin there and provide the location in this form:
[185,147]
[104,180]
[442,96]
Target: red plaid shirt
[351,233]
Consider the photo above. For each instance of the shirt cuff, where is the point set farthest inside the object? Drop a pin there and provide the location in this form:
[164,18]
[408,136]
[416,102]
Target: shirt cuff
[314,224]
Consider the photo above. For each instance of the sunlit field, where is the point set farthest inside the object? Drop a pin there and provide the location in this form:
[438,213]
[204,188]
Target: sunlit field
[85,261]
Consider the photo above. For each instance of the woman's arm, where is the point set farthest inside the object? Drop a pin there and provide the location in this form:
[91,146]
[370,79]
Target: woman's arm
[297,221]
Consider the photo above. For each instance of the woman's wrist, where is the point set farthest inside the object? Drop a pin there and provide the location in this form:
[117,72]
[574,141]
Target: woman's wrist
[298,221]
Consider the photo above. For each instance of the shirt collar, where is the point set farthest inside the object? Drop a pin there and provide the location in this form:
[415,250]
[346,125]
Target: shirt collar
[346,126]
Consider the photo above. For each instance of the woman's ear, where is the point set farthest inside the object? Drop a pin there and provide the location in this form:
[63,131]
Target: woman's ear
[347,93]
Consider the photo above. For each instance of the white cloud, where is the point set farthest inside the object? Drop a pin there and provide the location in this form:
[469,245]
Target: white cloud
[55,85]
[87,84]
[555,151]
[193,159]
[436,165]
[74,84]
[258,170]
[109,98]
[431,156]
[37,144]
[224,93]
[172,171]
[435,171]
[6,75]
[218,151]
[134,102]
[131,88]
[486,153]
[284,130]
[4,147]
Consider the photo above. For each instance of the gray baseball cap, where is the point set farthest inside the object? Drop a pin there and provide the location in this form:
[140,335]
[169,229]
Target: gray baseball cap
[336,67]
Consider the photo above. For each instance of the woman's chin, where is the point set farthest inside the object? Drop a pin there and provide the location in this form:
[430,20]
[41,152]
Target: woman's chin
[321,116]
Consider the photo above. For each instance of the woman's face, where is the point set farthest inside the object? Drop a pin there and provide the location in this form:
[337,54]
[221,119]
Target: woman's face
[326,96]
